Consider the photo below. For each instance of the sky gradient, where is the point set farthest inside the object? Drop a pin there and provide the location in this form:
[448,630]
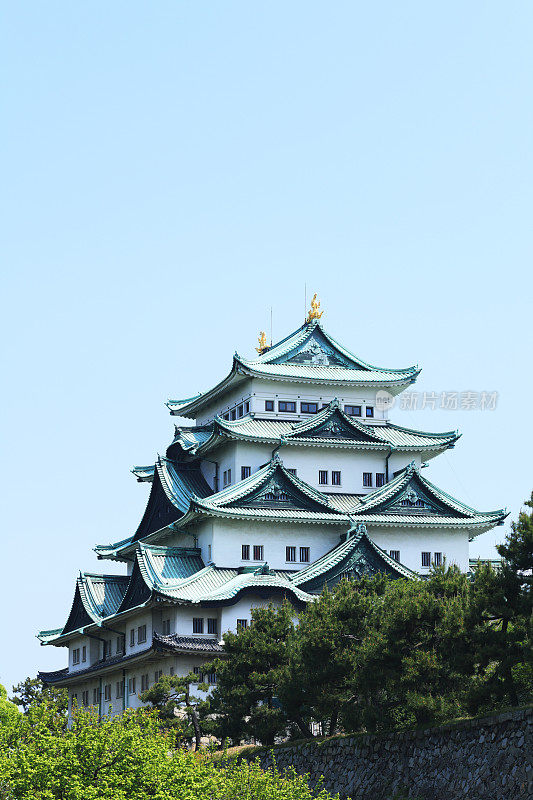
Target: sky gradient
[173,170]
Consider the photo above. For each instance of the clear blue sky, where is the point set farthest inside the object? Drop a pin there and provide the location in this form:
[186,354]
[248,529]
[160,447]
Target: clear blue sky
[171,170]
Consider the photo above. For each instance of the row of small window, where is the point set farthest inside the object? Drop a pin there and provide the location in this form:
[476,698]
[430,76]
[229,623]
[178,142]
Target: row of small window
[258,552]
[119,688]
[367,479]
[289,406]
[239,411]
[202,677]
[198,625]
[425,558]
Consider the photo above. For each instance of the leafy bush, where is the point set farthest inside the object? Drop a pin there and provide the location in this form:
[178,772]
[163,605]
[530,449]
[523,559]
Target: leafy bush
[128,757]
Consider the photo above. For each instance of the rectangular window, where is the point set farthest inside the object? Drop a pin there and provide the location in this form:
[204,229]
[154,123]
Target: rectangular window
[84,658]
[380,479]
[121,640]
[258,552]
[107,649]
[144,682]
[76,656]
[290,554]
[242,624]
[352,411]
[245,472]
[132,637]
[209,552]
[107,691]
[370,411]
[199,674]
[131,686]
[158,674]
[426,559]
[212,625]
[85,698]
[292,471]
[119,689]
[96,696]
[211,677]
[437,559]
[367,479]
[197,625]
[229,477]
[336,478]
[323,477]
[304,554]
[141,633]
[226,416]
[233,413]
[395,554]
[247,407]
[287,405]
[269,405]
[166,627]
[245,552]
[240,411]
[308,408]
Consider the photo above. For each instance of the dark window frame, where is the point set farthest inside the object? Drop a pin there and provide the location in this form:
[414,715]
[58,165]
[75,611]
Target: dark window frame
[245,472]
[336,477]
[197,624]
[425,557]
[245,552]
[305,555]
[352,411]
[395,555]
[369,411]
[367,480]
[258,548]
[269,405]
[321,474]
[212,625]
[285,409]
[380,479]
[290,550]
[308,408]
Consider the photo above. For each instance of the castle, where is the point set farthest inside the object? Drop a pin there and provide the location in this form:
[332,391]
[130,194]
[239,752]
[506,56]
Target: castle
[291,478]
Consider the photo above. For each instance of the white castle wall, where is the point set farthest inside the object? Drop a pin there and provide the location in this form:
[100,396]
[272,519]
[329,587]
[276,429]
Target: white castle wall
[453,544]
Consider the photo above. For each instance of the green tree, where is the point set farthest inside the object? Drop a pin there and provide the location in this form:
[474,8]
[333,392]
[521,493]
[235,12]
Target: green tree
[8,711]
[501,619]
[244,702]
[171,695]
[128,757]
[317,683]
[33,691]
[411,667]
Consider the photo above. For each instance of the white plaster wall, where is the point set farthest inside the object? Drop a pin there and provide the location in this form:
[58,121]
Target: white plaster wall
[309,460]
[257,390]
[229,535]
[242,610]
[453,544]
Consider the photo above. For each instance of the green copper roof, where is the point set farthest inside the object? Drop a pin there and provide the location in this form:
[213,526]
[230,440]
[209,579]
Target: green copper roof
[331,427]
[411,500]
[356,556]
[270,493]
[308,355]
[144,474]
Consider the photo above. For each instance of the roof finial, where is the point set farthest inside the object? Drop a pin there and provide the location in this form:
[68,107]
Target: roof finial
[262,340]
[314,313]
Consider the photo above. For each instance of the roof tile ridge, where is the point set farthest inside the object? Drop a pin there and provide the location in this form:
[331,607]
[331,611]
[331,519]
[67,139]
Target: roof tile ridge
[443,434]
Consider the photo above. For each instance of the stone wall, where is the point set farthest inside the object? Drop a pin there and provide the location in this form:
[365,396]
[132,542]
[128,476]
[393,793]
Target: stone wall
[475,759]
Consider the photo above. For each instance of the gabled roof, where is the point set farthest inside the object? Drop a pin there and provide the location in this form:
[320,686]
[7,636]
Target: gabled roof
[355,557]
[308,355]
[95,597]
[331,427]
[271,493]
[172,488]
[411,500]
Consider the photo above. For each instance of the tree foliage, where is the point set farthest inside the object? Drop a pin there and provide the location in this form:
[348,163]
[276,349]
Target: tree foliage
[128,757]
[178,708]
[32,691]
